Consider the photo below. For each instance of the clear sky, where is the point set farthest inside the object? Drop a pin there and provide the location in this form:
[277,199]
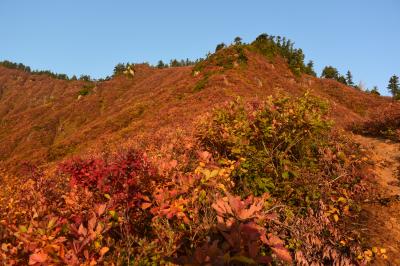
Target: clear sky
[91,36]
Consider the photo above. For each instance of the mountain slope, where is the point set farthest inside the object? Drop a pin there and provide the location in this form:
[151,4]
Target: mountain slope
[250,182]
[43,119]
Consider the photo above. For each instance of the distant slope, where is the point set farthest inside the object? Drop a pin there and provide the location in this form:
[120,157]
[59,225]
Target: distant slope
[43,119]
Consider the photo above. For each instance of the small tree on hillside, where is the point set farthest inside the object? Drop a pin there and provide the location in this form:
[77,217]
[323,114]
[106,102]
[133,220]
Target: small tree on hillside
[119,69]
[85,78]
[220,47]
[349,78]
[330,72]
[394,87]
[161,64]
[310,69]
[174,63]
[342,79]
[238,41]
[375,91]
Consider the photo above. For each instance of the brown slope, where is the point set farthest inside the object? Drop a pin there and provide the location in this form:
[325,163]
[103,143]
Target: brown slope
[42,119]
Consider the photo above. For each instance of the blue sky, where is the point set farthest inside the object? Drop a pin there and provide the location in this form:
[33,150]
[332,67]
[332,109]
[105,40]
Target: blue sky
[91,36]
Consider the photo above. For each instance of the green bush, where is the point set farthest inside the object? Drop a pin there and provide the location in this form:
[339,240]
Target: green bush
[274,140]
[86,89]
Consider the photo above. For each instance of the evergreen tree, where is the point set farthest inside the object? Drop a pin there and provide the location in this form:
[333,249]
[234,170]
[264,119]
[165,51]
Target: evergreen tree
[349,78]
[85,78]
[394,87]
[342,79]
[174,63]
[375,91]
[330,72]
[160,64]
[220,47]
[310,69]
[119,69]
[238,41]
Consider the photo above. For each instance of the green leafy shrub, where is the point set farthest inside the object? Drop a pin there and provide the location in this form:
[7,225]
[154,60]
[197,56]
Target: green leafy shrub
[86,89]
[273,139]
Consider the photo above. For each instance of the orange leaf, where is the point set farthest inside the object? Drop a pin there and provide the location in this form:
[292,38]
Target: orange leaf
[273,240]
[92,223]
[39,257]
[100,209]
[282,253]
[82,230]
[146,205]
[173,163]
[103,251]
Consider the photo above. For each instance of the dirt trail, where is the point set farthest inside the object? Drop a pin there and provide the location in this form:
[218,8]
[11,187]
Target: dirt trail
[382,214]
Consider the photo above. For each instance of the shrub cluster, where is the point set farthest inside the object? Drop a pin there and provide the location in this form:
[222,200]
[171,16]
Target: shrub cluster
[382,124]
[276,140]
[267,183]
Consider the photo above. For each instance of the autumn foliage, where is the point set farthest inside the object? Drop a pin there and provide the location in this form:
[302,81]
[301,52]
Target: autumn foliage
[266,183]
[385,123]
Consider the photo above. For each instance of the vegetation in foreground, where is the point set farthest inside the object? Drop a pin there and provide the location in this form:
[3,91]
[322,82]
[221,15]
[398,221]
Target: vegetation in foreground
[267,183]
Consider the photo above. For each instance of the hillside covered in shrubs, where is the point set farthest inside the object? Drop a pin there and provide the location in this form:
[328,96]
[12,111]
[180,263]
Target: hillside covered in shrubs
[260,185]
[244,157]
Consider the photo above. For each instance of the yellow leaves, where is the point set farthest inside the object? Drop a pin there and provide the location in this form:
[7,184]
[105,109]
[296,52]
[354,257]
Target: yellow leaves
[107,196]
[97,245]
[333,211]
[336,217]
[222,187]
[113,214]
[341,156]
[23,228]
[342,200]
[369,254]
[51,223]
[339,205]
[202,195]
